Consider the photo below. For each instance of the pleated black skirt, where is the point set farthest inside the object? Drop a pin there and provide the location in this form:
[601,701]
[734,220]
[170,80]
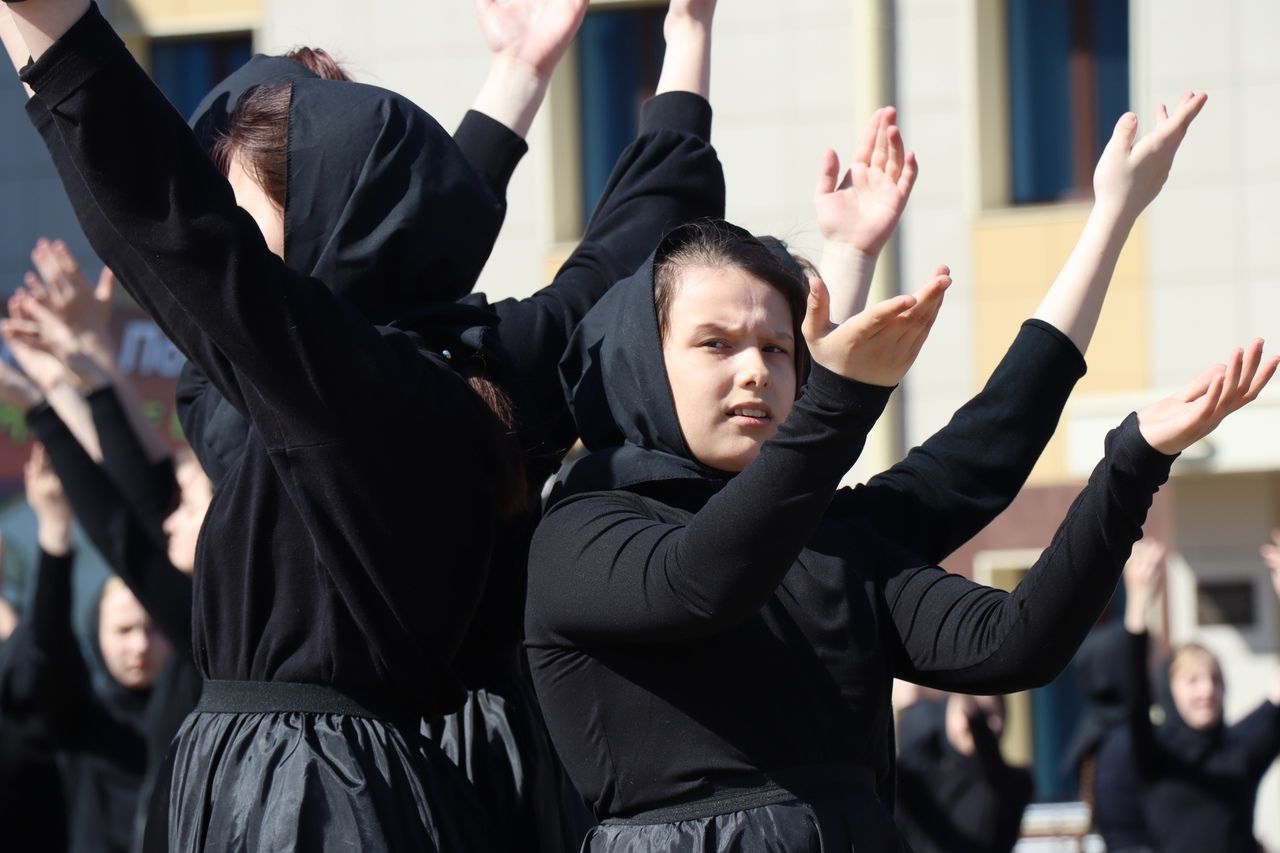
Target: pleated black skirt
[499,740]
[827,817]
[337,778]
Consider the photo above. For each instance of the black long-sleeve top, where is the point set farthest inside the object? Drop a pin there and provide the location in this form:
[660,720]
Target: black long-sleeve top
[685,638]
[350,546]
[953,803]
[1198,789]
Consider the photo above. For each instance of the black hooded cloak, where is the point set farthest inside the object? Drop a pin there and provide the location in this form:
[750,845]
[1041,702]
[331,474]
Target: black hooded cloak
[343,556]
[1199,787]
[714,653]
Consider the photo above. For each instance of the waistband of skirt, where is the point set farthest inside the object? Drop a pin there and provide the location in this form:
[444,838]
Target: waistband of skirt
[270,697]
[774,787]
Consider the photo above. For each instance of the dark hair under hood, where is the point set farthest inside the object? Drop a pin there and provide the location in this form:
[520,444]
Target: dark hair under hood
[382,208]
[615,376]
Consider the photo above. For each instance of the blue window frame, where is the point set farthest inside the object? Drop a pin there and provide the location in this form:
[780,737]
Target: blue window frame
[1068,83]
[619,60]
[186,69]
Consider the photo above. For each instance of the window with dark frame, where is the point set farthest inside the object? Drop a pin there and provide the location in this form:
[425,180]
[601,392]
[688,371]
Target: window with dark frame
[186,69]
[1068,83]
[619,60]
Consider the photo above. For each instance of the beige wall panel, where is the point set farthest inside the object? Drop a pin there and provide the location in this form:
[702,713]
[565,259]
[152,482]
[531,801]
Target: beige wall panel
[186,17]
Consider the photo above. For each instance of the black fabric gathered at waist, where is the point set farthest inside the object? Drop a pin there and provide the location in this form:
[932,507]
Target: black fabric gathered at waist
[280,697]
[759,790]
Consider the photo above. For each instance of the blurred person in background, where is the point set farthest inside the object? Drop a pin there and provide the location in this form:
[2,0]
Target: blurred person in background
[140,511]
[1199,775]
[955,790]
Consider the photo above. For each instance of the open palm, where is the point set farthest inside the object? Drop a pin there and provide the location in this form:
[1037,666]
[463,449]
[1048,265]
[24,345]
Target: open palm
[535,32]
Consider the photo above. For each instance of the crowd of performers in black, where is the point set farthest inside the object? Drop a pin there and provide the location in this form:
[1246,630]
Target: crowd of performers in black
[356,616]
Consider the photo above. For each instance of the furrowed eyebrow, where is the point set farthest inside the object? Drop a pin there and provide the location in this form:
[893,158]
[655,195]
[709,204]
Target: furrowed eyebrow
[717,329]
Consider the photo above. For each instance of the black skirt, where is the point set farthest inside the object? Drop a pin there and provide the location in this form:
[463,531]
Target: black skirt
[304,768]
[800,817]
[500,742]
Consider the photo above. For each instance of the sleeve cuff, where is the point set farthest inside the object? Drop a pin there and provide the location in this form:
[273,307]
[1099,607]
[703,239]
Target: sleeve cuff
[89,46]
[1145,461]
[1052,336]
[43,421]
[834,394]
[679,111]
[492,149]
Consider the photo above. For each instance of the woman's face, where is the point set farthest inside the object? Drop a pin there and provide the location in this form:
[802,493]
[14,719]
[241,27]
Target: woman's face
[1197,690]
[730,357]
[255,201]
[183,524]
[132,648]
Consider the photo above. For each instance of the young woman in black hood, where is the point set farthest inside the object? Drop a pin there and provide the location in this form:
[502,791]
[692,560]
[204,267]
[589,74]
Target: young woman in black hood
[354,533]
[668,175]
[1199,776]
[713,627]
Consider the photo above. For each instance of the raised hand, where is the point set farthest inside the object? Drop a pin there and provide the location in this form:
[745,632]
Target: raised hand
[63,289]
[1129,176]
[45,495]
[862,208]
[879,344]
[1175,423]
[1144,577]
[533,32]
[42,367]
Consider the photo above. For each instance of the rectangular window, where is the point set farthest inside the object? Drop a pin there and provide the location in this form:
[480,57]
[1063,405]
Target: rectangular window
[1068,83]
[186,69]
[619,60]
[1225,603]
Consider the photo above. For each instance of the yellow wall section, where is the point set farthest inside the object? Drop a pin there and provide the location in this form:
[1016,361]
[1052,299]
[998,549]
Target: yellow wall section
[1017,254]
[159,18]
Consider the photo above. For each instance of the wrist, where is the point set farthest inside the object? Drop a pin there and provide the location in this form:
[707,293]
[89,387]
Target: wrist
[680,27]
[53,532]
[1113,214]
[512,93]
[1135,617]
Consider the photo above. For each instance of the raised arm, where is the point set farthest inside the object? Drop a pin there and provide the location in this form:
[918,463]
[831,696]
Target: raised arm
[1144,579]
[959,635]
[668,176]
[194,258]
[61,677]
[603,569]
[136,553]
[961,478]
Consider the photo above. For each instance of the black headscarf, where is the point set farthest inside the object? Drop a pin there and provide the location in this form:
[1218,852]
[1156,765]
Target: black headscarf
[616,379]
[1189,745]
[1101,670]
[381,206]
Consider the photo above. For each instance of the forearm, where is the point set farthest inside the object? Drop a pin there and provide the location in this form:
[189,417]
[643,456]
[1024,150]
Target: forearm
[1137,702]
[146,483]
[686,65]
[40,23]
[73,410]
[963,476]
[964,636]
[13,43]
[1074,301]
[512,94]
[847,272]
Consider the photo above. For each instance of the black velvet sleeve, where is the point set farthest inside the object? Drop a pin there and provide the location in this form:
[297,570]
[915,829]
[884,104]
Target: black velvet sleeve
[158,212]
[603,569]
[947,489]
[149,488]
[1137,705]
[668,176]
[139,557]
[61,679]
[955,634]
